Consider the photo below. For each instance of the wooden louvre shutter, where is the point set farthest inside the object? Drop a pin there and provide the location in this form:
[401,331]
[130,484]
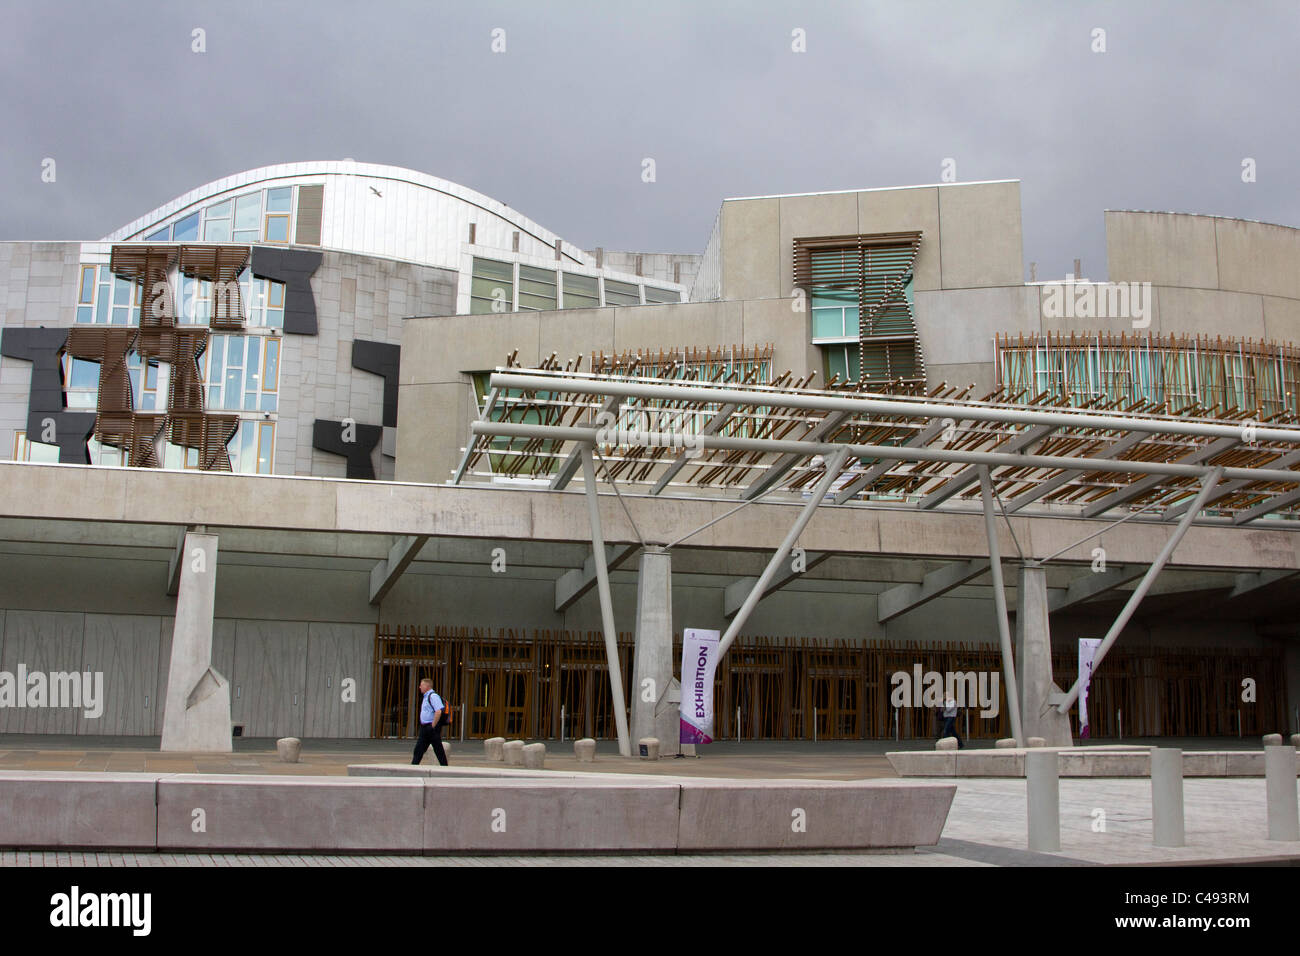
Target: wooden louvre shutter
[310,202]
[876,268]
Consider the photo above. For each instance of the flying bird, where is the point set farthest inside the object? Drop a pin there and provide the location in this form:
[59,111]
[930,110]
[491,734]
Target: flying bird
[376,192]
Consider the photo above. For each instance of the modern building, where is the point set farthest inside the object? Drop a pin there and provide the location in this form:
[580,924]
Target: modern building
[287,364]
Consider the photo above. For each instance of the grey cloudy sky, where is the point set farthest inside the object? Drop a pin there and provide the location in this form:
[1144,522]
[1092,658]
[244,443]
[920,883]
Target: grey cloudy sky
[557,126]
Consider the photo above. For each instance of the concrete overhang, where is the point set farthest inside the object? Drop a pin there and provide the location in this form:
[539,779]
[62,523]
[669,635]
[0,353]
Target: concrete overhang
[290,505]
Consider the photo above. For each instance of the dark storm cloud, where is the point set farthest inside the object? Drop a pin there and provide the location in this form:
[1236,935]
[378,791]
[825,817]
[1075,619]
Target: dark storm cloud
[558,125]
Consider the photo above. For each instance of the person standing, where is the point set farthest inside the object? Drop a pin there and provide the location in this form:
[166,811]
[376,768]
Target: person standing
[432,710]
[950,718]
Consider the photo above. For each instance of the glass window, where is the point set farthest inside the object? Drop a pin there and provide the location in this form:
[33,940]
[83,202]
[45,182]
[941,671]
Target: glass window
[187,229]
[265,447]
[248,210]
[216,230]
[661,295]
[621,293]
[162,235]
[536,289]
[491,287]
[220,210]
[83,374]
[244,235]
[87,284]
[277,228]
[279,200]
[581,292]
[25,450]
[272,380]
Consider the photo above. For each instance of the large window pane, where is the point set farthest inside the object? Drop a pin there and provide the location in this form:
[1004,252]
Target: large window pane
[187,229]
[581,292]
[277,228]
[661,295]
[248,210]
[621,293]
[536,288]
[216,230]
[492,286]
[279,200]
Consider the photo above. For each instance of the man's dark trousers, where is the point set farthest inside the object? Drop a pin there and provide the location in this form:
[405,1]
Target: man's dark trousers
[430,734]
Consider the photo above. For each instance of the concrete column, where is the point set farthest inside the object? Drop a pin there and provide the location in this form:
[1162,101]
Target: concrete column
[197,709]
[1279,780]
[654,714]
[1043,799]
[1034,661]
[1167,797]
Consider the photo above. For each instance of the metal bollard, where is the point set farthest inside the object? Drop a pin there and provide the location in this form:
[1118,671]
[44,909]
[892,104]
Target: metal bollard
[1043,792]
[1280,782]
[1167,797]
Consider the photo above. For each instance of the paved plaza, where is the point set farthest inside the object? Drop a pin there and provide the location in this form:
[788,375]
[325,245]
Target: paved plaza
[1104,821]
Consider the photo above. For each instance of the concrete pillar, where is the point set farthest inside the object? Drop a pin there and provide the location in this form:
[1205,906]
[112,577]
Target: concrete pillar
[1167,797]
[196,715]
[654,713]
[1043,793]
[1034,662]
[1280,782]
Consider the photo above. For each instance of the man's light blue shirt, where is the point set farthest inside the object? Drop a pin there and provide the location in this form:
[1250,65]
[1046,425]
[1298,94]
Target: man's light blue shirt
[429,706]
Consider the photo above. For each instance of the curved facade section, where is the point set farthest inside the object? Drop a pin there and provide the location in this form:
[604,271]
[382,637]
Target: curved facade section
[364,208]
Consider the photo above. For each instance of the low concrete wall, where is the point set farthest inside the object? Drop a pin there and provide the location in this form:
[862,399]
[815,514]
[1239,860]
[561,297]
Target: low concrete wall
[424,810]
[290,813]
[809,815]
[1073,762]
[68,809]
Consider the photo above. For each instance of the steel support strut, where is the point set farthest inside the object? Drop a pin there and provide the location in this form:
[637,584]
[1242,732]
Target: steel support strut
[606,603]
[1000,606]
[1207,488]
[833,466]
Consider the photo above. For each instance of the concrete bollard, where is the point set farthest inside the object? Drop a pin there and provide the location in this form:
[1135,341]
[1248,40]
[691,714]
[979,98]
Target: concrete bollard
[648,748]
[514,752]
[946,743]
[534,756]
[1272,740]
[1006,743]
[585,750]
[492,748]
[289,748]
[1043,789]
[446,750]
[1167,797]
[1295,741]
[1280,783]
[1037,741]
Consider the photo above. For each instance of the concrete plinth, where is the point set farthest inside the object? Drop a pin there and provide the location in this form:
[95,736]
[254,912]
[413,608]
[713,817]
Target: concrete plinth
[1006,743]
[585,750]
[1034,662]
[654,711]
[1280,785]
[196,715]
[946,743]
[1167,797]
[289,748]
[1272,740]
[535,756]
[1043,787]
[513,751]
[492,748]
[647,748]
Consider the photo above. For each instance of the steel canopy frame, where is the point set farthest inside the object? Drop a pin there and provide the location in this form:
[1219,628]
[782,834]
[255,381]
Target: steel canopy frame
[752,441]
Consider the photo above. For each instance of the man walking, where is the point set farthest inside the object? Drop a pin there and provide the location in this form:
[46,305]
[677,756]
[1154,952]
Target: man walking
[432,710]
